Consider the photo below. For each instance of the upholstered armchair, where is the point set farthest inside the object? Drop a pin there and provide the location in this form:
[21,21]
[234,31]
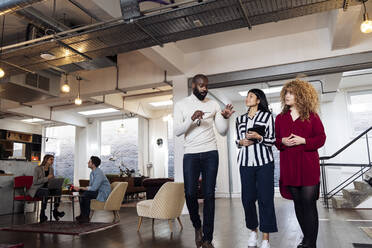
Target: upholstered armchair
[167,205]
[113,202]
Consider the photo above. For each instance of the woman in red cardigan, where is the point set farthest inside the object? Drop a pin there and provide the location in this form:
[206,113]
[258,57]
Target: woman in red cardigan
[299,134]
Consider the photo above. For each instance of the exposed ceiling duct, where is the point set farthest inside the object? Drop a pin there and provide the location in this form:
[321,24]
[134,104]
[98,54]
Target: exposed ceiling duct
[50,25]
[170,23]
[40,20]
[8,6]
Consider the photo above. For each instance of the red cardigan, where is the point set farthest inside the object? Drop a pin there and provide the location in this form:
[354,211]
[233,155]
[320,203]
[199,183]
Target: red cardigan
[299,165]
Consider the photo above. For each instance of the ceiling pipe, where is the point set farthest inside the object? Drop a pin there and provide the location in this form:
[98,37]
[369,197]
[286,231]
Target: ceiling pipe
[42,21]
[9,6]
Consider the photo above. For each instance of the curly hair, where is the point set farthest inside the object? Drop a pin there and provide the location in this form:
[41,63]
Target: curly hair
[306,98]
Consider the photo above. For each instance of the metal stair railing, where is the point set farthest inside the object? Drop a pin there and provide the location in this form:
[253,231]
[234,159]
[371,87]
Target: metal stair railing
[360,173]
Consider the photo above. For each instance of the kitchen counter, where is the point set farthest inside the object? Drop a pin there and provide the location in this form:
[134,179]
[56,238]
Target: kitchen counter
[12,169]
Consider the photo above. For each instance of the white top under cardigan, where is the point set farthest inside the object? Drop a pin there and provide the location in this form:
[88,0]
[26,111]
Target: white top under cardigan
[199,138]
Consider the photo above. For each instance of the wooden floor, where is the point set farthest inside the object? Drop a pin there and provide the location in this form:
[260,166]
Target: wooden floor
[338,229]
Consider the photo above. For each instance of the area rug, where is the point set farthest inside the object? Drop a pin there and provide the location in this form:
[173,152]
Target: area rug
[355,245]
[61,227]
[11,245]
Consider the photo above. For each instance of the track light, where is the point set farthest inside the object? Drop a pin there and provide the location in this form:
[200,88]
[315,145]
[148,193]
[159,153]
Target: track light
[2,73]
[366,26]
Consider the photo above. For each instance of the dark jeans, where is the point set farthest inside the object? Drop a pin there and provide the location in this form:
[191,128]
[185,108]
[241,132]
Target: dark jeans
[44,194]
[205,163]
[85,202]
[258,184]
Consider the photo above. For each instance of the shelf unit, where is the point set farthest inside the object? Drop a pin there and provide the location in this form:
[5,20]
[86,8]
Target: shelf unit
[32,144]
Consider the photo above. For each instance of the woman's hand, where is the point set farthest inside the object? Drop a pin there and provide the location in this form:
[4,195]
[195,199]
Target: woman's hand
[297,140]
[50,176]
[293,140]
[245,142]
[286,141]
[253,135]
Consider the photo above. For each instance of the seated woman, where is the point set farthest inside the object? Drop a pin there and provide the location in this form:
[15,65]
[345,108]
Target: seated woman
[42,174]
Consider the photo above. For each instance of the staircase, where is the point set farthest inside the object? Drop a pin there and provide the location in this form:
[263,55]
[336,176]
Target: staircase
[351,198]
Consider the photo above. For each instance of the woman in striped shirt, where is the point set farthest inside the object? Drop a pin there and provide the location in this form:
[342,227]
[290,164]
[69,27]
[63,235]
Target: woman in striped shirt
[255,138]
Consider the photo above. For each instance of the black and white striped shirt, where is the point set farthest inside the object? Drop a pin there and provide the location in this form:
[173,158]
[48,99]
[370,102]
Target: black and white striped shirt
[261,150]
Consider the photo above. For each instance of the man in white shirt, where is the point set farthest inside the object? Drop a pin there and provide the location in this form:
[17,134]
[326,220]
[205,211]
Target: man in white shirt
[194,117]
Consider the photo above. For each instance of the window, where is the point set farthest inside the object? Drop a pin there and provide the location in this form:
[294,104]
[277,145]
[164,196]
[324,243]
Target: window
[60,142]
[119,149]
[170,148]
[19,150]
[360,108]
[276,108]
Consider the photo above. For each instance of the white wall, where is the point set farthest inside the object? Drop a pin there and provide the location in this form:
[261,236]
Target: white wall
[158,155]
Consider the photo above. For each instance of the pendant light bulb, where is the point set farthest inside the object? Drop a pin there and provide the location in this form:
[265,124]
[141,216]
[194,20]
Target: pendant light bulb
[2,73]
[78,101]
[65,88]
[121,129]
[366,26]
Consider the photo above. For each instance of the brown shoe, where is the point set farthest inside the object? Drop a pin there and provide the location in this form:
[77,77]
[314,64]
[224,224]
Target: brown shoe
[198,237]
[207,244]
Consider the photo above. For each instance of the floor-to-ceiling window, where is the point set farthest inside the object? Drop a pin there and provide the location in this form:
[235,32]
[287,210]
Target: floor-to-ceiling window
[119,146]
[60,141]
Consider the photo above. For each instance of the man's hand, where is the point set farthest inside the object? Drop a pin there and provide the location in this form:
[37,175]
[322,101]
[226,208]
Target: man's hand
[79,188]
[245,142]
[198,114]
[253,135]
[228,111]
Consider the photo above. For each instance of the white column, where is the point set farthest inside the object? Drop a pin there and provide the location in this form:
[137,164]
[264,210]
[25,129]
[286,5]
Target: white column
[81,170]
[158,153]
[180,91]
[143,145]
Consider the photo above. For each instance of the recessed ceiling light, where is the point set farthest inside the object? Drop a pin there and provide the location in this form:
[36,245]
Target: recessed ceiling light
[162,103]
[98,111]
[47,56]
[271,90]
[33,120]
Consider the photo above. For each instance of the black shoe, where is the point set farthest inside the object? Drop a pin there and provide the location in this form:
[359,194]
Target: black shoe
[57,214]
[83,219]
[43,218]
[207,244]
[77,218]
[198,237]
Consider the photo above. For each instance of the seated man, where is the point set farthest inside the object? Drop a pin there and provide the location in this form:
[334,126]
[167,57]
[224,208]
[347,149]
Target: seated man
[99,188]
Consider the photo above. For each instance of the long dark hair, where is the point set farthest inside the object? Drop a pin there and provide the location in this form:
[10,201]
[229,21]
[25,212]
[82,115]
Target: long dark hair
[263,105]
[45,159]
